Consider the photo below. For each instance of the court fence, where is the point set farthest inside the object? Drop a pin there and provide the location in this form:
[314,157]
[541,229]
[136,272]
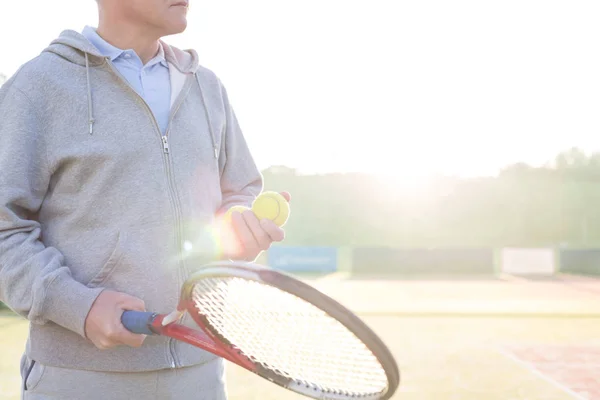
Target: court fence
[580,261]
[436,261]
[543,261]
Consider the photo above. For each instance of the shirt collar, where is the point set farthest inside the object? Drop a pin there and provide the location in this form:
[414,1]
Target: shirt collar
[112,52]
[105,48]
[160,56]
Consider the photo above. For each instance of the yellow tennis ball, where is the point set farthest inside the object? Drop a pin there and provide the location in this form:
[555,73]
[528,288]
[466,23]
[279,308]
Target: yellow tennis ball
[240,209]
[273,206]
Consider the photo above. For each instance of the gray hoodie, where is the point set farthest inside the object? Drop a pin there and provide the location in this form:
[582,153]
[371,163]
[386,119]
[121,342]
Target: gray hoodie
[93,197]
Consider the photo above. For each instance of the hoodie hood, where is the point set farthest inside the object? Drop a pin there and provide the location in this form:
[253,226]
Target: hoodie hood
[74,47]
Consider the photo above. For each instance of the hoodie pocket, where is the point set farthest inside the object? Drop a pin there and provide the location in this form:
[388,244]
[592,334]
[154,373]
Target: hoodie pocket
[33,376]
[111,265]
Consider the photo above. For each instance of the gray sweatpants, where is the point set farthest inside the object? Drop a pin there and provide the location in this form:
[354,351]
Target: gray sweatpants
[202,382]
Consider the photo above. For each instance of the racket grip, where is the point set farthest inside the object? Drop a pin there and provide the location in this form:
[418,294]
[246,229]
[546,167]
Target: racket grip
[138,321]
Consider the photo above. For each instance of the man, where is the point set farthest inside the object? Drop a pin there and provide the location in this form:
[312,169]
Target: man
[118,152]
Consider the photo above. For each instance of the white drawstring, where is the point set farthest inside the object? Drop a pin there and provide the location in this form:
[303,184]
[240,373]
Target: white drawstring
[89,95]
[210,127]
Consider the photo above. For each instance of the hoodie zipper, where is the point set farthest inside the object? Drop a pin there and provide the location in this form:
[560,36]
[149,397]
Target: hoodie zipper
[167,164]
[165,139]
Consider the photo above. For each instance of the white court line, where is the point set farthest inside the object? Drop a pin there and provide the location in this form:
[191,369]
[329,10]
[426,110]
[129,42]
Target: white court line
[541,375]
[335,276]
[512,278]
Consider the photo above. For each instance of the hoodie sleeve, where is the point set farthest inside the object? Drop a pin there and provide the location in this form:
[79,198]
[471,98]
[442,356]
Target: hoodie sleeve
[241,181]
[34,280]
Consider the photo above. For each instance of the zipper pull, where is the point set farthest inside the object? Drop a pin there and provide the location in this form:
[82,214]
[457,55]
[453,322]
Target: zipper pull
[165,144]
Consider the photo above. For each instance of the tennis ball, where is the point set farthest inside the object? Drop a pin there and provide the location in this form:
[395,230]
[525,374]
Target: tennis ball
[273,206]
[240,209]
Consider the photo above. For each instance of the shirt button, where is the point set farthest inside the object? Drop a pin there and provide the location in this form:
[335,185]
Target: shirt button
[127,55]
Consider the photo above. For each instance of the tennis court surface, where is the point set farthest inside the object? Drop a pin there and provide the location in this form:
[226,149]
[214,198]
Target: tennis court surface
[497,338]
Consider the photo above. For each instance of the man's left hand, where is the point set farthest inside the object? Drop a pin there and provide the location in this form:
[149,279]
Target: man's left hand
[253,235]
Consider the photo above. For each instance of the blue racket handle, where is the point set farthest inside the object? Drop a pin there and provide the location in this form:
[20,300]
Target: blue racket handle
[138,321]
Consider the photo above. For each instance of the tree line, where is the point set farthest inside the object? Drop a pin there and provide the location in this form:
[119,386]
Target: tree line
[553,205]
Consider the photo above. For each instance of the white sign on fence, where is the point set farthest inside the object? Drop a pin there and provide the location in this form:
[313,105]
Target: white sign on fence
[538,261]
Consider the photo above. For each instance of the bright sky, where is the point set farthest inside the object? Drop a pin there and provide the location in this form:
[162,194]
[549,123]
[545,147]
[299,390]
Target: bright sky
[399,88]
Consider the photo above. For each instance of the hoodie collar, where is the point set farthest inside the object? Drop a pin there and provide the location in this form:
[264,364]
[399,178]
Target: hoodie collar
[77,49]
[74,47]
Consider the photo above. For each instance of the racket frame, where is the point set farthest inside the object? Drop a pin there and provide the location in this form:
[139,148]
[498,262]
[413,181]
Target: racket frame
[199,338]
[220,346]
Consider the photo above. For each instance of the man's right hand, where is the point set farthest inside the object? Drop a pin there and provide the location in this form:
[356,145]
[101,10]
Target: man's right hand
[103,323]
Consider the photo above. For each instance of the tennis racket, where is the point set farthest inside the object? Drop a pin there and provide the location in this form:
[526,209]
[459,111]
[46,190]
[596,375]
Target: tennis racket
[279,328]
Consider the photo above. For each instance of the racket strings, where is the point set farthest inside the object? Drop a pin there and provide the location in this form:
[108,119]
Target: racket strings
[289,336]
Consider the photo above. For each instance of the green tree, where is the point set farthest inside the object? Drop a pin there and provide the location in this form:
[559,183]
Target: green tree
[522,206]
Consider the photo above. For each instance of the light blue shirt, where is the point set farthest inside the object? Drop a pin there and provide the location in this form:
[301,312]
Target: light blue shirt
[151,81]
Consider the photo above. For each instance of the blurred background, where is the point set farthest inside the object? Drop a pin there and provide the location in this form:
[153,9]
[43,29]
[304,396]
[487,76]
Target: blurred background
[444,163]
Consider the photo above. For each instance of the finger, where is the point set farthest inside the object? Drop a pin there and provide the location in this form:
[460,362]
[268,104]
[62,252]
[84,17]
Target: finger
[286,196]
[270,228]
[113,334]
[131,303]
[263,239]
[245,236]
[105,344]
[130,339]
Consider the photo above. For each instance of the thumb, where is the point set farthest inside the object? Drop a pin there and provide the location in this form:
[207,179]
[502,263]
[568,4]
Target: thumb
[286,196]
[131,303]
